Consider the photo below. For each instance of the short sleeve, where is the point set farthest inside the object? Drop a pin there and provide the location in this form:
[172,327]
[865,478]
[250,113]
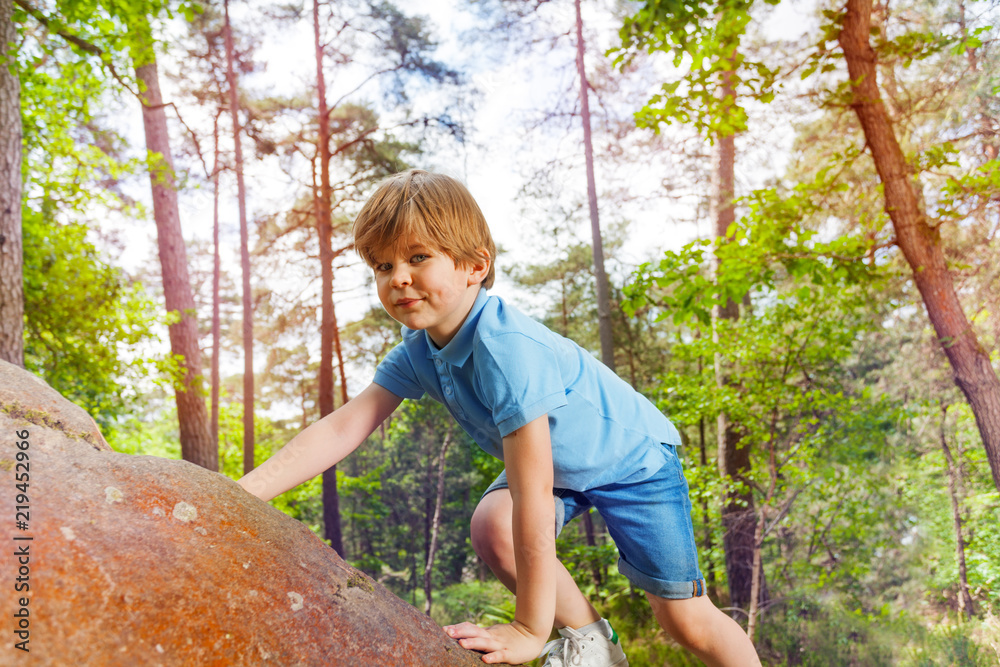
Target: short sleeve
[396,374]
[519,378]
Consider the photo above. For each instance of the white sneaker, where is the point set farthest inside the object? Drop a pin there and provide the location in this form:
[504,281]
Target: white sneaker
[593,649]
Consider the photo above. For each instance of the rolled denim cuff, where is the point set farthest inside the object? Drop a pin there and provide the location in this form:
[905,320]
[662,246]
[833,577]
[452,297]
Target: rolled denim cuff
[669,590]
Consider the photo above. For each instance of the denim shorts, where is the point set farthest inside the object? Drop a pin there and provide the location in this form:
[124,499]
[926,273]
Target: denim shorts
[650,523]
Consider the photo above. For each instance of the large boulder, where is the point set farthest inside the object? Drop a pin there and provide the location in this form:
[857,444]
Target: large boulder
[138,560]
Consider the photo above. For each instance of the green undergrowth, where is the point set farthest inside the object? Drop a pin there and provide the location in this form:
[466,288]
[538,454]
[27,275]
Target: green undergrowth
[814,635]
[802,633]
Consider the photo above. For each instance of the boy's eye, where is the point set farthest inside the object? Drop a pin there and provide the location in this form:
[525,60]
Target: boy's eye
[385,266]
[416,259]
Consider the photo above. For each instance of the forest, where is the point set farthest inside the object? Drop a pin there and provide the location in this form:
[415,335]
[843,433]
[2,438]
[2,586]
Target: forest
[779,220]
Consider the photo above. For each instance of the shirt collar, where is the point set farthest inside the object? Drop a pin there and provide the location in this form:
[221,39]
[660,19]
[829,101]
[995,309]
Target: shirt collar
[458,349]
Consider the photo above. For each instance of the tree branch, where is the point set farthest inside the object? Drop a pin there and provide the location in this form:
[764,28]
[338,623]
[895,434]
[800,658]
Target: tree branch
[93,49]
[77,41]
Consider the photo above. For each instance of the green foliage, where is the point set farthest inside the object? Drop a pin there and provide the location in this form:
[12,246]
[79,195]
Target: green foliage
[817,442]
[800,392]
[768,245]
[928,495]
[567,283]
[975,187]
[70,159]
[87,327]
[408,41]
[806,633]
[813,634]
[388,489]
[152,434]
[903,48]
[475,601]
[704,39]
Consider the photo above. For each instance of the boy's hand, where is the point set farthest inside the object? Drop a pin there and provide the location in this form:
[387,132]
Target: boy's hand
[512,642]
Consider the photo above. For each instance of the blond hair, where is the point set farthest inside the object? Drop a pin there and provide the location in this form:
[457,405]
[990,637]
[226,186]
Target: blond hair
[432,207]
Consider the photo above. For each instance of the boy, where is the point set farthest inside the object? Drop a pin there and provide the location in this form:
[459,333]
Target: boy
[571,433]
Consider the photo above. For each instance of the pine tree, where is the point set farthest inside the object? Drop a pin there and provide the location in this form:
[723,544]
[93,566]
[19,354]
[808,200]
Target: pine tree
[197,445]
[11,253]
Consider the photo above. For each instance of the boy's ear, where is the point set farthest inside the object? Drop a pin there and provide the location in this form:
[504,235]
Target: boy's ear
[480,267]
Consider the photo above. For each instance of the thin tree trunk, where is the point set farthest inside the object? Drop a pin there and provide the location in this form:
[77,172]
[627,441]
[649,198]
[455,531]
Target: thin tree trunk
[248,388]
[435,524]
[192,416]
[11,244]
[331,500]
[216,279]
[733,455]
[919,241]
[965,604]
[303,397]
[758,585]
[707,542]
[590,535]
[603,290]
[337,348]
[756,580]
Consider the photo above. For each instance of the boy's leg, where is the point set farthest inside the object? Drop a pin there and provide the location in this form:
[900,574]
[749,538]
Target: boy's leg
[650,521]
[699,626]
[493,541]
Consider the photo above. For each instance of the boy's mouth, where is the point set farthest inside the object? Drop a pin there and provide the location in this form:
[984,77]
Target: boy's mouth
[406,303]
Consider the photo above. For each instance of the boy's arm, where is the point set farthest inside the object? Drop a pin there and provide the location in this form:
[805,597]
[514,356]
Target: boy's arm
[528,461]
[323,444]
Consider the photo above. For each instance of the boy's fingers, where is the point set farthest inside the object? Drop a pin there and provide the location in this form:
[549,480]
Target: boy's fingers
[465,629]
[473,637]
[496,656]
[478,643]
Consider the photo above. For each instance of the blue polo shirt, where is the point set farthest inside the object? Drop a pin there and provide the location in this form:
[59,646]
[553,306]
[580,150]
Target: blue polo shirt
[503,370]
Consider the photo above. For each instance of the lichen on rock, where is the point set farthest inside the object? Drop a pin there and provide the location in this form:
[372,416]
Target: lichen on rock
[185,512]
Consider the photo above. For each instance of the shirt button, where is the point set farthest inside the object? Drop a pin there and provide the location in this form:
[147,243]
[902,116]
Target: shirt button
[448,390]
[438,363]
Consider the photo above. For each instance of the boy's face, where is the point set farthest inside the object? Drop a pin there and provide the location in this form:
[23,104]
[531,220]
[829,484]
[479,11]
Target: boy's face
[422,288]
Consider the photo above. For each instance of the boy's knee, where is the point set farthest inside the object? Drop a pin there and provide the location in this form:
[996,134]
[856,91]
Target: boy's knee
[492,539]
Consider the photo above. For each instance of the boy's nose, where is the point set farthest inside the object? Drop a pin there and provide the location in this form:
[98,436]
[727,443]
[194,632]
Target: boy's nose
[400,276]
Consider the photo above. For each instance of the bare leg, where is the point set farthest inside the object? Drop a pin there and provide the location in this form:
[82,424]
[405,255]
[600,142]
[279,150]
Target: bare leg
[700,627]
[494,543]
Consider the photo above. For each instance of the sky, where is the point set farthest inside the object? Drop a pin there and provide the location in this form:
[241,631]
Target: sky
[494,165]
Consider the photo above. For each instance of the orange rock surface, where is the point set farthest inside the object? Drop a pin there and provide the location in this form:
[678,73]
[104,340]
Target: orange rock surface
[138,560]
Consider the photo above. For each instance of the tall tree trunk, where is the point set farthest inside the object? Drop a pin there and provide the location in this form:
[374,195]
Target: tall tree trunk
[337,347]
[707,543]
[603,291]
[11,246]
[216,279]
[919,241]
[757,571]
[965,604]
[331,500]
[590,535]
[435,524]
[192,416]
[248,389]
[733,455]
